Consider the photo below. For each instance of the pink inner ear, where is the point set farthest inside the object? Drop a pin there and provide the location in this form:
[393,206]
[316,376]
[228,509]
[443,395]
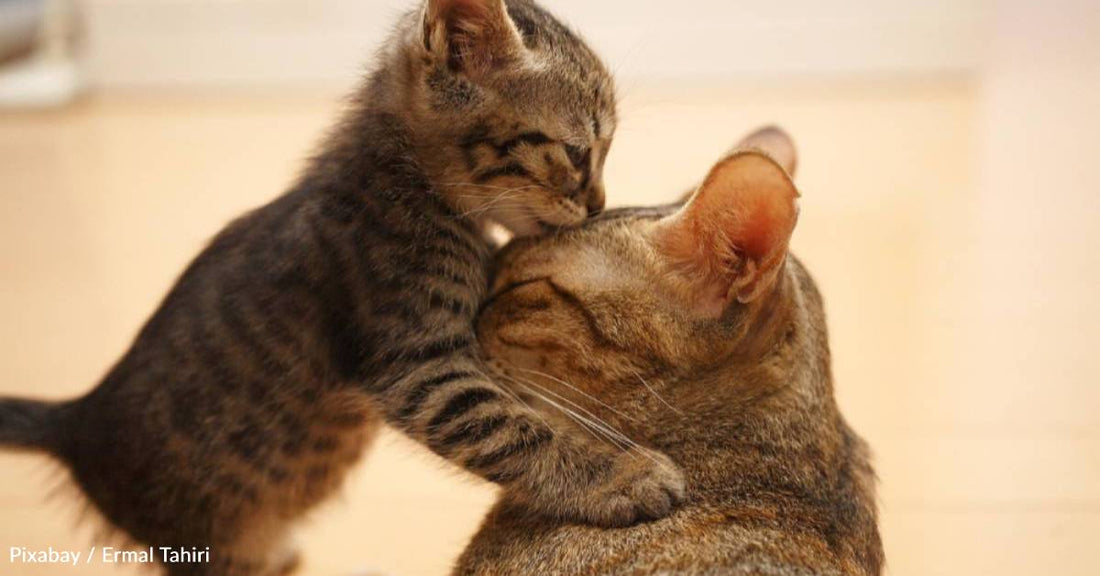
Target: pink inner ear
[735,230]
[762,222]
[748,201]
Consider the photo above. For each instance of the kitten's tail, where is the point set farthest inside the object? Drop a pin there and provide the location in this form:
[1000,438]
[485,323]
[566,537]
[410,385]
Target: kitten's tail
[31,424]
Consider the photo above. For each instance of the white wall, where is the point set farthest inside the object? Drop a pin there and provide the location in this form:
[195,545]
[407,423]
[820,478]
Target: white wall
[215,43]
[1033,254]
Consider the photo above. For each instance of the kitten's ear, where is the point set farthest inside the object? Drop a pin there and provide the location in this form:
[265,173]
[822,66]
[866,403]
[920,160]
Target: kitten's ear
[471,36]
[730,241]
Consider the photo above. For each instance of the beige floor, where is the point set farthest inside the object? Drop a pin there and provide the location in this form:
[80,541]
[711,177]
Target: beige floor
[102,205]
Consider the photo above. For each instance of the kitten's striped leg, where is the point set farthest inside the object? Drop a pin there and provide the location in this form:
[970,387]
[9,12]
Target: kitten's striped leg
[454,408]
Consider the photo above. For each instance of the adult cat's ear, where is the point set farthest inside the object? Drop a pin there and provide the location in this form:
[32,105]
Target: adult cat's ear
[471,36]
[775,142]
[730,241]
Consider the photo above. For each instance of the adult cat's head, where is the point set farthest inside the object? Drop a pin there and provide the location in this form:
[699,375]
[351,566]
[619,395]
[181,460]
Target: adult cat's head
[691,330]
[694,303]
[511,113]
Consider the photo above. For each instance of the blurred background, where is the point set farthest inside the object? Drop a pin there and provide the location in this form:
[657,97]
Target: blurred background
[949,213]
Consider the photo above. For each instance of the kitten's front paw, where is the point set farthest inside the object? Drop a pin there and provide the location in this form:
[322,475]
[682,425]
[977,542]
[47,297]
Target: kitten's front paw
[643,485]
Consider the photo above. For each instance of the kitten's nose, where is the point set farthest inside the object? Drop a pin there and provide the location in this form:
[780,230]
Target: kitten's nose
[596,200]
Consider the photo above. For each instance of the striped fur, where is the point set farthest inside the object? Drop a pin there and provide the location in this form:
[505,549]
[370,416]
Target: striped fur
[599,324]
[349,301]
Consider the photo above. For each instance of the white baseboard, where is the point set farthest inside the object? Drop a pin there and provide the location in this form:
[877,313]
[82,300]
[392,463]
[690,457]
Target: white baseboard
[253,43]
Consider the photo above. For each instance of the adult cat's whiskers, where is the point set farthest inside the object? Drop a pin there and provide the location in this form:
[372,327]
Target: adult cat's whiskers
[591,416]
[658,396]
[619,439]
[540,391]
[577,390]
[585,423]
[511,394]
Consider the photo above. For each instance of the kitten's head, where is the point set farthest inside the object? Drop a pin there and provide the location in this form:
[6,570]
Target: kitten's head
[512,113]
[650,298]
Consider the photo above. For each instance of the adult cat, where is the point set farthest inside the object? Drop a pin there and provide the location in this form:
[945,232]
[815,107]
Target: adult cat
[689,330]
[351,299]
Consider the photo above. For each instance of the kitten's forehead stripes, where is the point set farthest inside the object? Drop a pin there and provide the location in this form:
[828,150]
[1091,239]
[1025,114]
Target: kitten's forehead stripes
[531,138]
[481,135]
[580,157]
[511,169]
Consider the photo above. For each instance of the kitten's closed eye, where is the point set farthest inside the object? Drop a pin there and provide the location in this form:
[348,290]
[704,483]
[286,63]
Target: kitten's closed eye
[578,156]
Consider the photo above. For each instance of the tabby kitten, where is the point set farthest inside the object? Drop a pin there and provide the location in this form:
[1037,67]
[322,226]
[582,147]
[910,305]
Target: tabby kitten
[350,300]
[689,330]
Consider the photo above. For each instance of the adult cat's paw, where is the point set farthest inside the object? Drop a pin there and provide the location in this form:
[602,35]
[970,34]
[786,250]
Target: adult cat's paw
[643,485]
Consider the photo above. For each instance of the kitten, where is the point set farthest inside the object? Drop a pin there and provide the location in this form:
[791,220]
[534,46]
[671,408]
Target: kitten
[350,300]
[701,338]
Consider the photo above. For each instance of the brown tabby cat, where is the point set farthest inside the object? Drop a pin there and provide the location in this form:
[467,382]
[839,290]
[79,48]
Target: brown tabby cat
[350,300]
[691,331]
